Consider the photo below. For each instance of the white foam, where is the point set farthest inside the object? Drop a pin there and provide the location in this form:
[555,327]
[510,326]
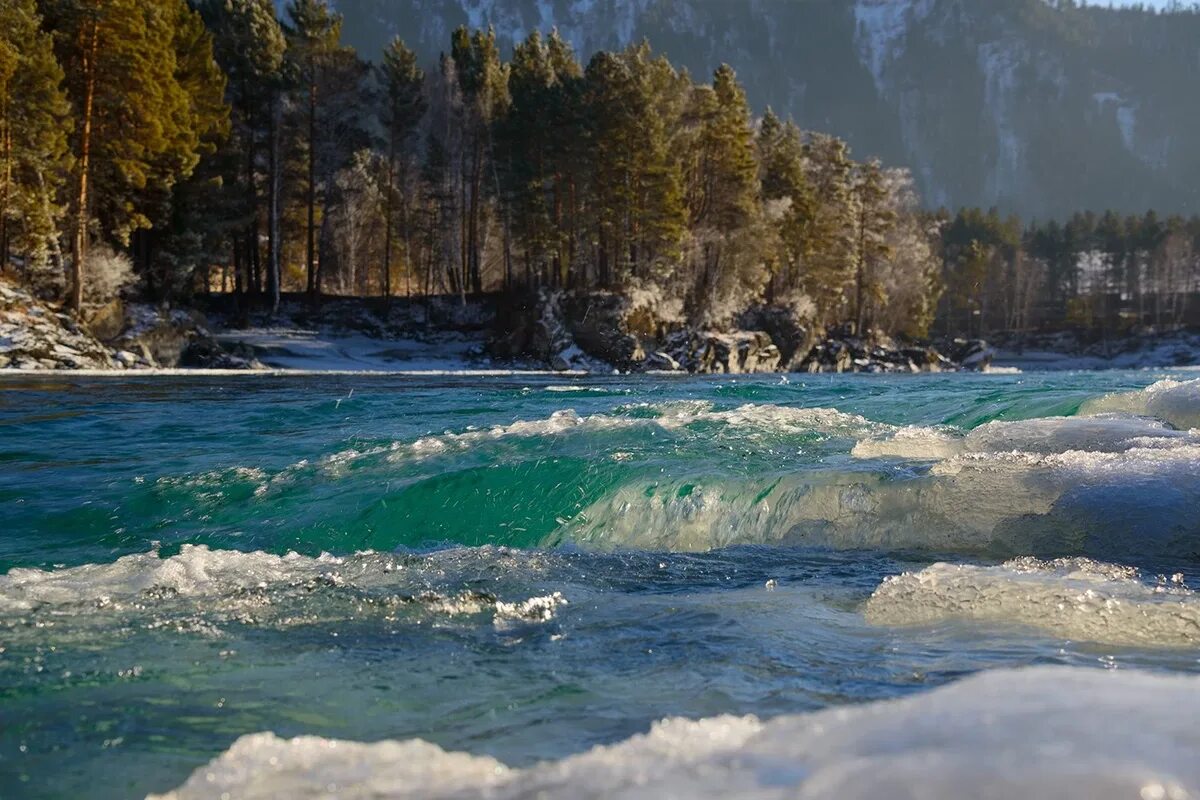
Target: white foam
[1100,433]
[668,416]
[196,571]
[225,583]
[1073,598]
[1049,732]
[1177,402]
[914,441]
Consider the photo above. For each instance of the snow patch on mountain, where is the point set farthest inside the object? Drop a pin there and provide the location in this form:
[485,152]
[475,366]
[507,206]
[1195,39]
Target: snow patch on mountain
[999,62]
[880,29]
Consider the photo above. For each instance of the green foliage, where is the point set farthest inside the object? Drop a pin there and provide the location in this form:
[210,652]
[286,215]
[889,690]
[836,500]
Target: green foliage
[138,128]
[34,124]
[225,149]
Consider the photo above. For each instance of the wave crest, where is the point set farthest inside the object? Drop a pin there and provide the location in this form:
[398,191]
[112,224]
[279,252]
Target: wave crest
[262,588]
[1177,402]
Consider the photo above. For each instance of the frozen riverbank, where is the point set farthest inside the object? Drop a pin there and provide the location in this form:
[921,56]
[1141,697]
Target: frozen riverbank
[1065,351]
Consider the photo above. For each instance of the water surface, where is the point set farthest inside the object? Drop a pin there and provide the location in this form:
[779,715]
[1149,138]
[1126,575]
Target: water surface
[528,567]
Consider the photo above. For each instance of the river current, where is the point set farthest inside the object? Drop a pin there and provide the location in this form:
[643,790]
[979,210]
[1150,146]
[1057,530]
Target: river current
[461,586]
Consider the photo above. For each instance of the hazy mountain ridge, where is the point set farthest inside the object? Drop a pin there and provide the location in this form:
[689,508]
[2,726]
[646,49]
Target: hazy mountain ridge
[991,102]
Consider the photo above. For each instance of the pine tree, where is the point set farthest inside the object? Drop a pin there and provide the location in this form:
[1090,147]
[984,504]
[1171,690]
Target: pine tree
[249,45]
[829,262]
[564,120]
[637,214]
[328,77]
[184,203]
[135,123]
[482,81]
[876,220]
[521,151]
[404,106]
[787,197]
[658,217]
[723,190]
[33,138]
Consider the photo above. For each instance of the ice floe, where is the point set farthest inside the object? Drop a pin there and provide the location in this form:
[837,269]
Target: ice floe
[1073,598]
[1047,732]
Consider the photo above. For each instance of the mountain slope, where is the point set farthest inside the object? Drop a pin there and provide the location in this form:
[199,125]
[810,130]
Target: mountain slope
[1014,103]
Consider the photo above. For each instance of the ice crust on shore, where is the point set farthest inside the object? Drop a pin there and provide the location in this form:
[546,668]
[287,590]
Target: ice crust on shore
[1046,732]
[1073,598]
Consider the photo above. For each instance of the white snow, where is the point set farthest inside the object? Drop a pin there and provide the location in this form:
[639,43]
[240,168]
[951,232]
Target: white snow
[999,63]
[880,28]
[1047,732]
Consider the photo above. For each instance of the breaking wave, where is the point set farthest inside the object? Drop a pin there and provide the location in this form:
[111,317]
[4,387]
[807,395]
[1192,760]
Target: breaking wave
[1177,402]
[1109,484]
[1039,733]
[262,588]
[1096,486]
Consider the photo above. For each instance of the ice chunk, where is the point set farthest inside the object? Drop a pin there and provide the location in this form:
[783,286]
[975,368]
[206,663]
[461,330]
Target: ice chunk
[1048,732]
[1071,598]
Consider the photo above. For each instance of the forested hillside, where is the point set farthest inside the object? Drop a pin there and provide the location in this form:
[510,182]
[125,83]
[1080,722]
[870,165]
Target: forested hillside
[1037,109]
[172,148]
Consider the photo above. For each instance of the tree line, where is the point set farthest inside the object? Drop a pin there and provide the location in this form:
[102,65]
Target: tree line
[211,146]
[1101,273]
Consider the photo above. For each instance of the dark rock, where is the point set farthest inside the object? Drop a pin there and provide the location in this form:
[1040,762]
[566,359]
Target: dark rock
[792,336]
[973,354]
[599,324]
[713,352]
[206,353]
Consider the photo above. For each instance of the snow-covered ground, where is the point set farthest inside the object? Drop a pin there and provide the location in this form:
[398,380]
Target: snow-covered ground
[301,349]
[294,349]
[1062,353]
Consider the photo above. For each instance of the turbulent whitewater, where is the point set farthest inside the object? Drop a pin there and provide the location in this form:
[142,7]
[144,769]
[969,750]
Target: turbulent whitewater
[449,586]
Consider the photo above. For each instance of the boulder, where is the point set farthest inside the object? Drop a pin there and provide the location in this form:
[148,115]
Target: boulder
[713,352]
[207,353]
[794,337]
[106,321]
[34,335]
[971,354]
[163,337]
[599,323]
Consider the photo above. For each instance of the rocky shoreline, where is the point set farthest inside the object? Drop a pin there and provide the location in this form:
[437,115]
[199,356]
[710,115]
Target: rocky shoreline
[604,330]
[119,336]
[596,332]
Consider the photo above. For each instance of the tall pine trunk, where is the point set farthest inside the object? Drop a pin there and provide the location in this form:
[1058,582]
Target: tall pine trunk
[476,210]
[387,211]
[314,282]
[5,188]
[273,201]
[91,33]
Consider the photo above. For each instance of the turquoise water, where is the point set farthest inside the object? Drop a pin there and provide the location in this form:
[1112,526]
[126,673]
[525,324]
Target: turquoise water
[528,567]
